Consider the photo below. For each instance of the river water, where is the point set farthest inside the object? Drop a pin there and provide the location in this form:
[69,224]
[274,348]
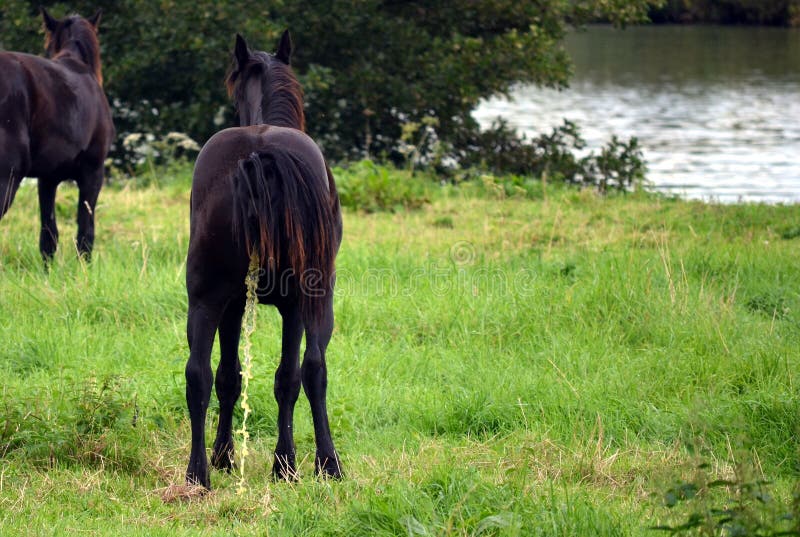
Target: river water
[716,109]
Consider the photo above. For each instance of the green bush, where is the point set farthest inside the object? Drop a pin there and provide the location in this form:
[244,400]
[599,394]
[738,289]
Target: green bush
[369,187]
[619,166]
[94,426]
[742,506]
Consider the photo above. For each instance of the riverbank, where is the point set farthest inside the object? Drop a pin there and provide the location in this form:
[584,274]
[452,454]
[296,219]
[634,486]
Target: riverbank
[505,362]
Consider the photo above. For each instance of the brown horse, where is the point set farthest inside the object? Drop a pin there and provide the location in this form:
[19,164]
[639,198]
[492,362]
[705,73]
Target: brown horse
[56,124]
[261,188]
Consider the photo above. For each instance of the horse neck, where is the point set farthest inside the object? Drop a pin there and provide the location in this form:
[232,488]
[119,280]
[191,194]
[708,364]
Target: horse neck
[76,50]
[285,109]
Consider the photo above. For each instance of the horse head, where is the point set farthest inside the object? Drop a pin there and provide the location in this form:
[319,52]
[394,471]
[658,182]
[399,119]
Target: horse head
[76,36]
[263,87]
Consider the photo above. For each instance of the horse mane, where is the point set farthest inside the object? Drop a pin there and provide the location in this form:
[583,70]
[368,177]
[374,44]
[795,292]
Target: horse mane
[80,32]
[283,93]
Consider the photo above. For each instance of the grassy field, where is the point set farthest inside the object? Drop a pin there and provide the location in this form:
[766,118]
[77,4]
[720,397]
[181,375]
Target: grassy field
[506,361]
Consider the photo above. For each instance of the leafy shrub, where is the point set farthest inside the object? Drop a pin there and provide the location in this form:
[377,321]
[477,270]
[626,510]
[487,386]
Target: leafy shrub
[96,425]
[742,506]
[369,187]
[508,186]
[100,405]
[790,232]
[772,303]
[619,166]
[146,150]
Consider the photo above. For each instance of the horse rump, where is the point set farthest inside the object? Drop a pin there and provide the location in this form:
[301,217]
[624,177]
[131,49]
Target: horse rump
[284,214]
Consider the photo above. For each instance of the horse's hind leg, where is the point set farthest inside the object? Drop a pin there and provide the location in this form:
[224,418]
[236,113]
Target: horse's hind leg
[89,185]
[200,329]
[228,383]
[48,236]
[287,389]
[315,383]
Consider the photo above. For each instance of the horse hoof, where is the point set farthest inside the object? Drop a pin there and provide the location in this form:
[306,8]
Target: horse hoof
[329,467]
[222,458]
[193,481]
[284,468]
[223,462]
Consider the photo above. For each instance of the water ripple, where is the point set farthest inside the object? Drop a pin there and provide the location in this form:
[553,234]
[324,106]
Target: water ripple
[721,132]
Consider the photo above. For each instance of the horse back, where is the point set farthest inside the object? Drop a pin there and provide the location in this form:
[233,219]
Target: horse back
[58,107]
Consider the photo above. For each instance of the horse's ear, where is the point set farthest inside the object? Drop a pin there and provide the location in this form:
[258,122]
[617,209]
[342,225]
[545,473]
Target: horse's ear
[284,53]
[50,23]
[95,19]
[241,51]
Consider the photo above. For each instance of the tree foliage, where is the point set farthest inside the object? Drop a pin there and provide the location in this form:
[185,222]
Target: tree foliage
[373,66]
[369,67]
[772,12]
[554,156]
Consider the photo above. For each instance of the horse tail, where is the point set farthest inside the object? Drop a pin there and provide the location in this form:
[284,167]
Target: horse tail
[286,215]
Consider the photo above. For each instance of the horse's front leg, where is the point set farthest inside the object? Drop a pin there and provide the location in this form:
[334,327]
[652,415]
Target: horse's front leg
[48,235]
[228,383]
[201,326]
[287,389]
[9,185]
[14,162]
[89,185]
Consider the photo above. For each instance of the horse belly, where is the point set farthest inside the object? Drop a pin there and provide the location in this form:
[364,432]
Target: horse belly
[58,142]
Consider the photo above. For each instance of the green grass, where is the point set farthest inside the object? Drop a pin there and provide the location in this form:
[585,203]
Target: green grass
[505,362]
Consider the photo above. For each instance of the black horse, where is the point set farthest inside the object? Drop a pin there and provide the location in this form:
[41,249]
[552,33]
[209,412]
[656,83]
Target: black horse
[261,188]
[55,124]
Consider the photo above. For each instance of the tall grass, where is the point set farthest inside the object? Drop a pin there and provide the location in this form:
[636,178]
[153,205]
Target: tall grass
[536,361]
